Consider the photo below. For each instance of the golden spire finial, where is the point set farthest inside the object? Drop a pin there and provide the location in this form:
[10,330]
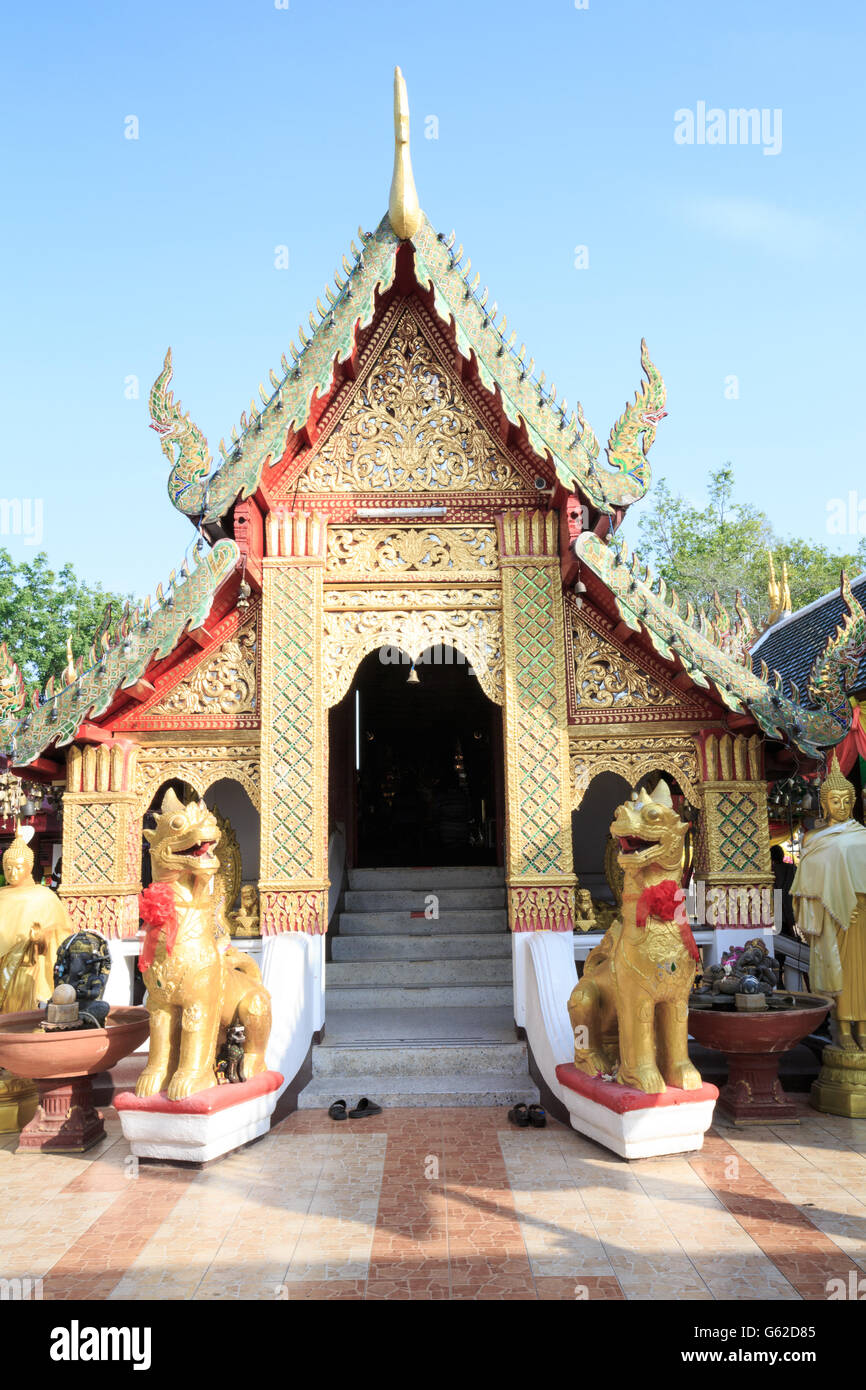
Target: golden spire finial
[773,588]
[69,672]
[778,593]
[786,592]
[404,210]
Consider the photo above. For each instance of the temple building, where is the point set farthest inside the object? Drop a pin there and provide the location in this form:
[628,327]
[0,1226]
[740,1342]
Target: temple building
[412,663]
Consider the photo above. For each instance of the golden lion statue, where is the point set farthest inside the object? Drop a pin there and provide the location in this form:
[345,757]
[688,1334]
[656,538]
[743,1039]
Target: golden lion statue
[629,1011]
[198,986]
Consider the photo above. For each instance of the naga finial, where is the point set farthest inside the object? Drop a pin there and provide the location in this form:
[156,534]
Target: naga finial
[404,210]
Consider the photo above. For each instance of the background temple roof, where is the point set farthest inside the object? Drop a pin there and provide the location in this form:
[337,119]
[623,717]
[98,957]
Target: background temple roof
[791,646]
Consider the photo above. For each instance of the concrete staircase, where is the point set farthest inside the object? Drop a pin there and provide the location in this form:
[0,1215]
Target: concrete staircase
[419,1007]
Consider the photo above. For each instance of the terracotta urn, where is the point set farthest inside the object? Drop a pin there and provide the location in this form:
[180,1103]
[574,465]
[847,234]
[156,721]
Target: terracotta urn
[753,1043]
[62,1064]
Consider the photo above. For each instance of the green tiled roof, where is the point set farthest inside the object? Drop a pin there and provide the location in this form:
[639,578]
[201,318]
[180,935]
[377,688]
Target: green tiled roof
[198,490]
[150,635]
[707,663]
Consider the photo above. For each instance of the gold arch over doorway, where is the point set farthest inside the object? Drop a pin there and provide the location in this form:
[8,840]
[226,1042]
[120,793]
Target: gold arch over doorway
[632,756]
[350,636]
[199,765]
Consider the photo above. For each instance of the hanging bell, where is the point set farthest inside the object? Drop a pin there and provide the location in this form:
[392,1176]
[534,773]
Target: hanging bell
[414,678]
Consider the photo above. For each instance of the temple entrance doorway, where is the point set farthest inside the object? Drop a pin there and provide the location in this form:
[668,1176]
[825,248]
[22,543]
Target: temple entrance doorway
[423,745]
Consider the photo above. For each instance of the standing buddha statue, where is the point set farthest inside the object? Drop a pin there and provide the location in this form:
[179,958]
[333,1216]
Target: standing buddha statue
[829,897]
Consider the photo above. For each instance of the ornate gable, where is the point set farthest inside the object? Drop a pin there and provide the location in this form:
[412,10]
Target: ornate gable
[607,682]
[408,427]
[217,688]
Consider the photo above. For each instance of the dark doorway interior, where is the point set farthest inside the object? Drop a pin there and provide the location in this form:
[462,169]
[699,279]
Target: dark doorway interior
[425,751]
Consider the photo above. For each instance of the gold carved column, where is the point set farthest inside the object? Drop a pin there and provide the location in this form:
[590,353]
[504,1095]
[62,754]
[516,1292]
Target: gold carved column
[101,877]
[733,852]
[540,872]
[293,878]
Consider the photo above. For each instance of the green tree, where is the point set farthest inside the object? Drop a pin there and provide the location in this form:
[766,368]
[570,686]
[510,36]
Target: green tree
[724,546]
[40,607]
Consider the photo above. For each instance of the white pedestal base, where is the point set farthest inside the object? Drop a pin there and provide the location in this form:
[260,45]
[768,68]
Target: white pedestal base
[642,1133]
[635,1125]
[189,1135]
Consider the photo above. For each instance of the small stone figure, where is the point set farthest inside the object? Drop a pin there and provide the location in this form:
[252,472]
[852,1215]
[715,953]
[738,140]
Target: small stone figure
[84,962]
[246,921]
[585,920]
[231,1055]
[752,961]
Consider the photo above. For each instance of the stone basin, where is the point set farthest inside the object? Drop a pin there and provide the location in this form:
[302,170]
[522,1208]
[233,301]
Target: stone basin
[768,1030]
[27,1051]
[752,1043]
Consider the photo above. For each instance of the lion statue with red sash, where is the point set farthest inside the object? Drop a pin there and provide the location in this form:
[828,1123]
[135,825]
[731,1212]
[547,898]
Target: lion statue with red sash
[198,984]
[629,1011]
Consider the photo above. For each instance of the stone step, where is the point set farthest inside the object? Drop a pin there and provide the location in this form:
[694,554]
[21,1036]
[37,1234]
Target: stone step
[424,1028]
[484,1088]
[416,997]
[455,947]
[418,899]
[419,972]
[440,1059]
[471,876]
[404,924]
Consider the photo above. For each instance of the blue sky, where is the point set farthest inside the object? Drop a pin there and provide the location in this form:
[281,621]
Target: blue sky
[261,126]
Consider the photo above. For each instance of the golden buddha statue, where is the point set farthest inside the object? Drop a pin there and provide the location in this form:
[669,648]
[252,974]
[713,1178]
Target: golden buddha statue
[33,923]
[829,897]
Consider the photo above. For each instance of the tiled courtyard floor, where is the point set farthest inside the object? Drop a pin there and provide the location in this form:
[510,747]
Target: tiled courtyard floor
[421,1204]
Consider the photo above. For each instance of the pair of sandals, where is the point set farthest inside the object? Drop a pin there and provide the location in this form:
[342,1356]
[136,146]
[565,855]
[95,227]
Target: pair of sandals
[525,1115]
[337,1109]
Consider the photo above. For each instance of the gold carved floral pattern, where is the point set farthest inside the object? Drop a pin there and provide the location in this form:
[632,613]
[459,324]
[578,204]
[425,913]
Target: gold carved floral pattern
[379,600]
[604,677]
[632,756]
[200,765]
[408,429]
[226,684]
[350,636]
[387,551]
[112,914]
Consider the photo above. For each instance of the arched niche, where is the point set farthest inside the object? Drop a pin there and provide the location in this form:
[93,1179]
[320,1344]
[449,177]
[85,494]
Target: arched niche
[233,802]
[591,823]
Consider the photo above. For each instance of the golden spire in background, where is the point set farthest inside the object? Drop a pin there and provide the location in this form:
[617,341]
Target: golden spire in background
[404,210]
[69,673]
[779,594]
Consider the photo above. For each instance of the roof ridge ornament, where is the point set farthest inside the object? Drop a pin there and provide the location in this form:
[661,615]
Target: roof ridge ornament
[404,210]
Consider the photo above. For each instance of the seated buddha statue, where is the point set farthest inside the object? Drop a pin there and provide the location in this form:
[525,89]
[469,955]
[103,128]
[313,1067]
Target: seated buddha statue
[33,923]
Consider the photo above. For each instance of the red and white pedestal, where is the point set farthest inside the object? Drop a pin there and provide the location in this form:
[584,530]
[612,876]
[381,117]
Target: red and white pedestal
[632,1123]
[203,1126]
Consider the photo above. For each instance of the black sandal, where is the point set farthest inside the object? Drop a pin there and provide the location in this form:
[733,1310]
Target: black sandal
[537,1116]
[519,1115]
[337,1110]
[364,1108]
